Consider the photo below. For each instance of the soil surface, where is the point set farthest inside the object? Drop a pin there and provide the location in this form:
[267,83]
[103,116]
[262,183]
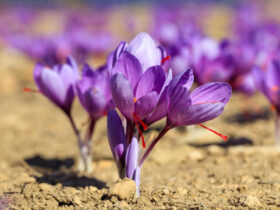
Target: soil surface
[189,169]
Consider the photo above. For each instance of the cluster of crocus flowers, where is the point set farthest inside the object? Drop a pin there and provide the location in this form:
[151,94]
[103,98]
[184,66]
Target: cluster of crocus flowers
[76,32]
[61,83]
[143,93]
[135,83]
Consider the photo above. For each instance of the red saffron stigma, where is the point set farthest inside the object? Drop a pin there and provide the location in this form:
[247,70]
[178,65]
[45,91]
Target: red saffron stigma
[273,108]
[165,59]
[142,137]
[145,127]
[222,136]
[30,90]
[210,102]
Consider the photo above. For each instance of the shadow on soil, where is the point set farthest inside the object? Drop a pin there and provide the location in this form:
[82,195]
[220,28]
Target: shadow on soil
[248,116]
[56,171]
[232,141]
[55,164]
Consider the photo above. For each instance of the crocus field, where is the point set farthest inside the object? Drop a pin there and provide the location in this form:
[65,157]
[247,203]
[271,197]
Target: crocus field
[140,105]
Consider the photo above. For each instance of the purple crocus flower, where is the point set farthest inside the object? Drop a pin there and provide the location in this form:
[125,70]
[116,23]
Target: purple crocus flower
[93,91]
[184,108]
[134,93]
[169,97]
[267,81]
[144,48]
[144,93]
[203,104]
[58,83]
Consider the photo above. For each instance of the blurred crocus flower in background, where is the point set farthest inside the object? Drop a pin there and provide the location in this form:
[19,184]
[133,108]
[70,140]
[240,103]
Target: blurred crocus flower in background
[61,83]
[58,83]
[77,34]
[93,91]
[267,78]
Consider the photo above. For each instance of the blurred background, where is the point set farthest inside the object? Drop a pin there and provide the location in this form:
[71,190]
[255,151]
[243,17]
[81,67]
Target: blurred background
[219,40]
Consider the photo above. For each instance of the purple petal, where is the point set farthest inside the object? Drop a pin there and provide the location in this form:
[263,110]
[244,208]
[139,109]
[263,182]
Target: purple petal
[121,47]
[87,71]
[272,83]
[259,81]
[71,62]
[146,104]
[131,158]
[122,95]
[129,66]
[178,101]
[94,91]
[267,81]
[37,73]
[145,50]
[51,85]
[211,93]
[93,101]
[116,138]
[136,178]
[152,80]
[246,84]
[160,110]
[185,79]
[195,114]
[272,74]
[67,75]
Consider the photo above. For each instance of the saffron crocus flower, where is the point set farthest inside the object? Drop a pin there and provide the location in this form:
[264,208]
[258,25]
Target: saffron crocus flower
[144,48]
[58,83]
[267,78]
[135,94]
[203,104]
[173,101]
[184,108]
[93,91]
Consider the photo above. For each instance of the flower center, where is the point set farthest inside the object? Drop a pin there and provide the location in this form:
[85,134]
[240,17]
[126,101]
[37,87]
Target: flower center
[145,127]
[95,90]
[165,59]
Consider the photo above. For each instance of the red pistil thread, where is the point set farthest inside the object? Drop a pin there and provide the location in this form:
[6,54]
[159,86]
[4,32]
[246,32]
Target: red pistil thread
[140,121]
[273,108]
[165,59]
[136,118]
[210,102]
[222,136]
[30,90]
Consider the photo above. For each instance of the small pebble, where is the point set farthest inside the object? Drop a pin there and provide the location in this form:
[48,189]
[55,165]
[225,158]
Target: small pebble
[123,189]
[252,201]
